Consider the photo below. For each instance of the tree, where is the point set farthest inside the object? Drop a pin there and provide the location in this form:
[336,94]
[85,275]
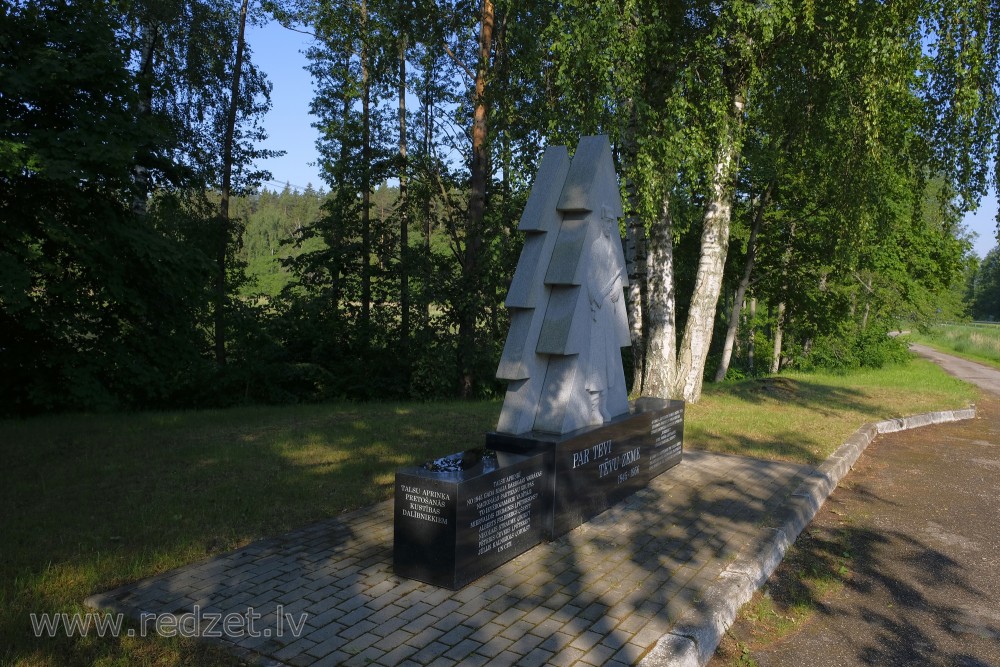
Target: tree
[986,288]
[99,307]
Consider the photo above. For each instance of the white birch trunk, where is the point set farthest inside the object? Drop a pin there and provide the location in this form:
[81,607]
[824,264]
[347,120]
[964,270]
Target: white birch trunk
[741,291]
[661,332]
[635,235]
[694,347]
[635,265]
[778,333]
[780,324]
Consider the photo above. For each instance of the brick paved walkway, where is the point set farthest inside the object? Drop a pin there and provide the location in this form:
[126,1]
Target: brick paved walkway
[600,595]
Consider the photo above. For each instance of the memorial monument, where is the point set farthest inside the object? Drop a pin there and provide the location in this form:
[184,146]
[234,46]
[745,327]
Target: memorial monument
[568,444]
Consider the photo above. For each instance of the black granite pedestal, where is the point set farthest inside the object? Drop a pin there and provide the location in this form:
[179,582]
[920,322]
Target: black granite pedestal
[451,527]
[596,467]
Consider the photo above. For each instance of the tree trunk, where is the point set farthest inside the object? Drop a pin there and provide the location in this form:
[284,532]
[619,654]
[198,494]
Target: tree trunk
[222,250]
[635,262]
[694,346]
[404,218]
[741,291]
[661,332]
[427,138]
[140,174]
[751,335]
[366,177]
[780,320]
[472,259]
[779,326]
[867,284]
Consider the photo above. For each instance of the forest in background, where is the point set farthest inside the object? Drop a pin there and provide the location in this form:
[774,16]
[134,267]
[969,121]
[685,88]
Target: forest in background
[794,174]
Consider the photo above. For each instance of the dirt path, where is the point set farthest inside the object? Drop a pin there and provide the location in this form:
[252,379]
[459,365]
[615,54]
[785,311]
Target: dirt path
[920,516]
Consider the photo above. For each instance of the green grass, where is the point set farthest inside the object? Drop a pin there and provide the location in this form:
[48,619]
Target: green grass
[804,417]
[978,342]
[92,502]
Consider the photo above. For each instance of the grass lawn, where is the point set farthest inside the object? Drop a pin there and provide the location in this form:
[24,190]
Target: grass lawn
[91,502]
[803,417]
[978,342]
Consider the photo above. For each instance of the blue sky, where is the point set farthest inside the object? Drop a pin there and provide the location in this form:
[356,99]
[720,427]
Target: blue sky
[280,53]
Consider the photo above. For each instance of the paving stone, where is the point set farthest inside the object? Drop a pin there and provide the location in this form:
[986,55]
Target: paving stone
[473,606]
[602,594]
[455,635]
[390,641]
[599,655]
[494,646]
[425,637]
[547,627]
[320,634]
[398,656]
[327,647]
[505,659]
[366,657]
[535,658]
[295,648]
[389,627]
[525,644]
[417,610]
[556,641]
[430,653]
[356,629]
[517,630]
[485,632]
[566,657]
[537,615]
[361,643]
[459,651]
[420,623]
[448,623]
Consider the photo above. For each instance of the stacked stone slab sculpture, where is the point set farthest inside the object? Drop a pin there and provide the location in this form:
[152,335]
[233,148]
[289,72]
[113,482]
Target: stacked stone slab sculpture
[567,446]
[562,358]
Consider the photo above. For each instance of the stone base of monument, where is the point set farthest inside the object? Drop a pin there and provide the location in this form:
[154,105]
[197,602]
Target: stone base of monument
[451,526]
[596,467]
[456,521]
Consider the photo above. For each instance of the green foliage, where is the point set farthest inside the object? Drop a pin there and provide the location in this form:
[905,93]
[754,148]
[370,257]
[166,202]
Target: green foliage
[98,308]
[986,288]
[870,125]
[847,350]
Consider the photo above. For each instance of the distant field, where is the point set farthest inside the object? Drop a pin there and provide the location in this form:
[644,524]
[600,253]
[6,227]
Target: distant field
[979,341]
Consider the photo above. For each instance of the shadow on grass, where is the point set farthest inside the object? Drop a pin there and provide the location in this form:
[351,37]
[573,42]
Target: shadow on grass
[91,503]
[784,446]
[608,591]
[822,398]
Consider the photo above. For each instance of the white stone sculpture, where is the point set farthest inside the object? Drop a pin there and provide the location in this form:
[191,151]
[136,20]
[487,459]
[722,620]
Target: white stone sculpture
[562,358]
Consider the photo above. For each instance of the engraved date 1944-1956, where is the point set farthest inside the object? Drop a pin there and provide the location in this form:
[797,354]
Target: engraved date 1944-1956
[625,462]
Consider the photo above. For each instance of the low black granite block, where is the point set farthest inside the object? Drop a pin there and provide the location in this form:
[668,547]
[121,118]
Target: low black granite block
[451,527]
[597,467]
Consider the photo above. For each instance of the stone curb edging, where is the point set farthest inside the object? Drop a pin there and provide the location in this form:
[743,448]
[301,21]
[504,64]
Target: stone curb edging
[695,636]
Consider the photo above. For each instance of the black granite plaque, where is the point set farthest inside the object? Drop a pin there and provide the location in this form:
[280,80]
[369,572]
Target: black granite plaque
[597,467]
[451,527]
